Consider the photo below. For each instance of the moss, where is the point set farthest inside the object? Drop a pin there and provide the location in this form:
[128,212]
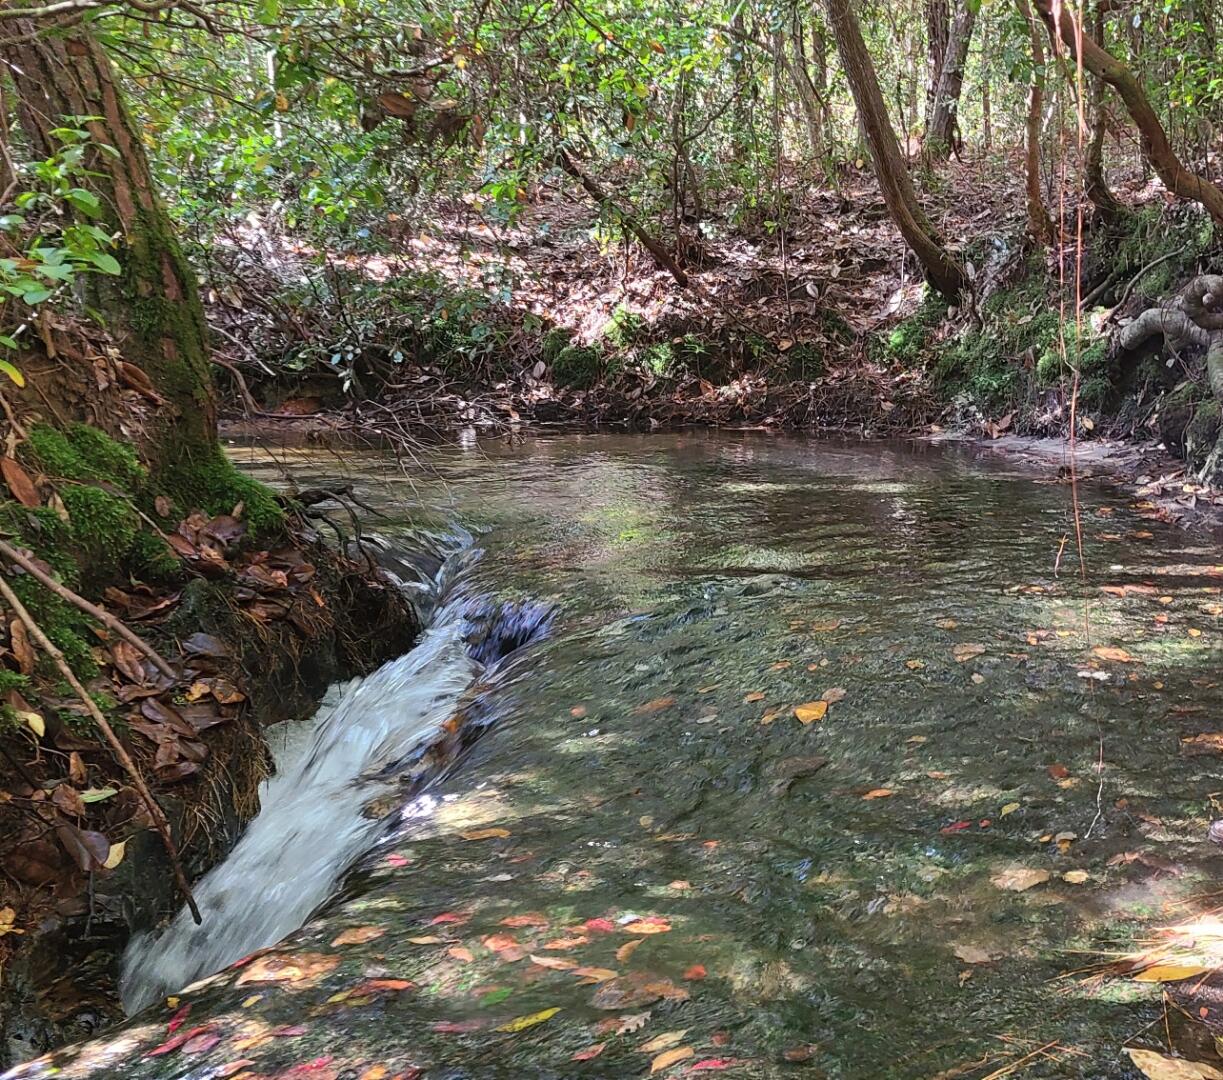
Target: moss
[804,361]
[577,366]
[910,339]
[43,531]
[213,485]
[67,627]
[103,528]
[622,329]
[659,359]
[151,558]
[83,453]
[12,680]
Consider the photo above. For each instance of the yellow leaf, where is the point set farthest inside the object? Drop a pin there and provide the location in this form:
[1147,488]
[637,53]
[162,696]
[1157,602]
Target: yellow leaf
[1164,973]
[1019,878]
[1075,877]
[811,711]
[524,1022]
[8,922]
[34,722]
[627,949]
[1010,808]
[915,665]
[115,856]
[594,974]
[665,1061]
[1160,1067]
[486,834]
[664,1041]
[1110,652]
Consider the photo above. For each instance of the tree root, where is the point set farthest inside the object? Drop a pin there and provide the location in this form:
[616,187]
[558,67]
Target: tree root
[1194,320]
[121,755]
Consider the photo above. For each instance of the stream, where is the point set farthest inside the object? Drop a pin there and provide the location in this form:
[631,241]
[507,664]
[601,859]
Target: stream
[773,731]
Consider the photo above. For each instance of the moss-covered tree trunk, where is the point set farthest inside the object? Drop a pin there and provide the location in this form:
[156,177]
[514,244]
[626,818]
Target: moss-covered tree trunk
[153,309]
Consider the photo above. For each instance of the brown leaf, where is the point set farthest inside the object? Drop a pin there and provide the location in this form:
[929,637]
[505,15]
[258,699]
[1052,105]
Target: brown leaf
[297,970]
[163,506]
[357,935]
[1111,652]
[554,963]
[88,849]
[966,651]
[589,1052]
[627,949]
[19,482]
[68,800]
[19,642]
[127,659]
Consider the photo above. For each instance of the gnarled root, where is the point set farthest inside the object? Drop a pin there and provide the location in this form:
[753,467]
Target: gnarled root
[1194,320]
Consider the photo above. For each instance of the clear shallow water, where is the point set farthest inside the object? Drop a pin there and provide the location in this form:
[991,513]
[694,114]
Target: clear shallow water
[820,883]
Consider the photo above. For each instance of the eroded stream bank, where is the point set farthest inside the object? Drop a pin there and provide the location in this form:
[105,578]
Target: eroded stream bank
[762,803]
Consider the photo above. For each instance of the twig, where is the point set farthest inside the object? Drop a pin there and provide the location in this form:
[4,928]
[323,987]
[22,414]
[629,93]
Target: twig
[18,430]
[121,754]
[79,602]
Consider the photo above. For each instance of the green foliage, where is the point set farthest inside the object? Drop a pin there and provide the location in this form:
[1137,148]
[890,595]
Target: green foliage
[577,366]
[910,339]
[50,227]
[103,529]
[623,329]
[66,626]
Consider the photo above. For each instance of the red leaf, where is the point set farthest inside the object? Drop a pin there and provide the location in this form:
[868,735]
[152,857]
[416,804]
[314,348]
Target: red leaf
[958,826]
[170,1045]
[176,1021]
[712,1064]
[600,926]
[697,971]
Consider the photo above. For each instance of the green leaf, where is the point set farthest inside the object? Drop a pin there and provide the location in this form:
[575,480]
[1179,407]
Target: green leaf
[108,264]
[11,371]
[37,296]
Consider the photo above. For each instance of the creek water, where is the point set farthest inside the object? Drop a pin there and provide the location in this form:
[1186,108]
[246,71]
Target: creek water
[826,898]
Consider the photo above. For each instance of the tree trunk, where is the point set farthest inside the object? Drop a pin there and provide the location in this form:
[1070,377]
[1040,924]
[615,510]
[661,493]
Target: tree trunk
[808,96]
[938,26]
[1155,145]
[153,309]
[1040,225]
[943,272]
[1095,184]
[941,132]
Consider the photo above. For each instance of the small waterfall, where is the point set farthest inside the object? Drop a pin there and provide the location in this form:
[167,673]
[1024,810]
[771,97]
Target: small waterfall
[311,827]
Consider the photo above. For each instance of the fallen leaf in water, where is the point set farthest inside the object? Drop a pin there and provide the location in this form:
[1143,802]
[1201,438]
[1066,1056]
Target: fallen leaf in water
[915,665]
[811,711]
[1075,877]
[430,939]
[358,935]
[657,705]
[826,625]
[555,963]
[966,651]
[635,989]
[627,949]
[712,1064]
[593,975]
[1058,771]
[1019,878]
[671,1057]
[529,918]
[647,924]
[177,1041]
[946,624]
[971,954]
[458,1027]
[1009,808]
[460,953]
[486,834]
[589,1052]
[276,968]
[521,1023]
[695,973]
[879,793]
[1166,973]
[756,695]
[1209,742]
[560,944]
[1161,1067]
[664,1041]
[1111,652]
[834,694]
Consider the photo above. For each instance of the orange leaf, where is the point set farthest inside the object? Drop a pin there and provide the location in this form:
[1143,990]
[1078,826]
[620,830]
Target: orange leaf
[811,711]
[486,834]
[671,1057]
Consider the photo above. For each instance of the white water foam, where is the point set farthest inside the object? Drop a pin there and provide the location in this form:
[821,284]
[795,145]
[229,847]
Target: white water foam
[310,828]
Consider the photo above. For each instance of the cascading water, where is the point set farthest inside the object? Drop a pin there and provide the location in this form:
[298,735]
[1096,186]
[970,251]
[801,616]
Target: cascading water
[311,827]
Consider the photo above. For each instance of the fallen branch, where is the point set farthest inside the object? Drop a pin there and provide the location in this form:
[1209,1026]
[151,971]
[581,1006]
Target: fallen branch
[121,755]
[79,602]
